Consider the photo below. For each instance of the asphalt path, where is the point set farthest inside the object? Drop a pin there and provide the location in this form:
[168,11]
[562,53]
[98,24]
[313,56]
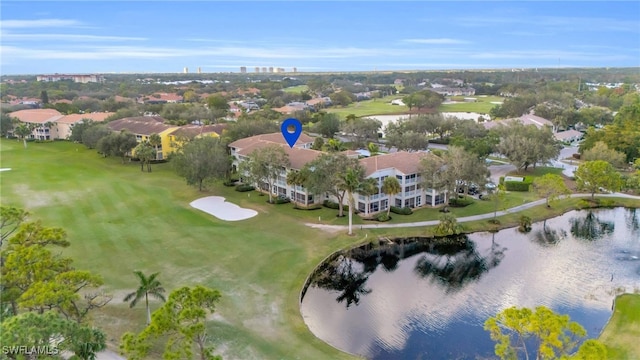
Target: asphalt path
[460,220]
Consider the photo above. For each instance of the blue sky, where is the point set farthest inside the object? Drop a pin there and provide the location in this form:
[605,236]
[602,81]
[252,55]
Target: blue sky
[166,36]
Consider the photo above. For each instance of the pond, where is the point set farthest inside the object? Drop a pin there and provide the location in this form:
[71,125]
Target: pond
[412,299]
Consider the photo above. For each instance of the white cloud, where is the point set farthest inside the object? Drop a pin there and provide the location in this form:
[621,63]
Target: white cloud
[564,23]
[39,23]
[438,41]
[66,37]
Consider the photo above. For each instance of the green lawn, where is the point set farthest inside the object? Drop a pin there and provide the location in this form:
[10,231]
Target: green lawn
[120,219]
[371,107]
[383,106]
[623,330]
[296,89]
[482,105]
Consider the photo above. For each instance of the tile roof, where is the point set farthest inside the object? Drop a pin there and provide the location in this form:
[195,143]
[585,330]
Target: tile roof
[528,119]
[562,135]
[191,131]
[74,118]
[403,161]
[298,157]
[143,125]
[39,116]
[273,138]
[534,120]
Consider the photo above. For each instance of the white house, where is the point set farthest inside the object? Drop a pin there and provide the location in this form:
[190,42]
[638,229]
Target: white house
[403,165]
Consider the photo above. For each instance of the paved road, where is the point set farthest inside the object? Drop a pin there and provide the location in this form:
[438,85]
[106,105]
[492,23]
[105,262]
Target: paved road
[462,219]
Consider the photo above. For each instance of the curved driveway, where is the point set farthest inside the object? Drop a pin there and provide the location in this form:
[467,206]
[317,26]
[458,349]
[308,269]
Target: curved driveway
[462,219]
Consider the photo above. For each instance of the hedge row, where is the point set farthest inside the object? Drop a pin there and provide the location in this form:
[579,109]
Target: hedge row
[524,185]
[280,200]
[517,186]
[460,202]
[334,205]
[245,188]
[401,210]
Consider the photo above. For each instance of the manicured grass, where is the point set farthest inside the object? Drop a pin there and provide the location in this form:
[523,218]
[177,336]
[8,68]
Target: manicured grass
[371,107]
[482,104]
[383,106]
[623,330]
[120,219]
[296,89]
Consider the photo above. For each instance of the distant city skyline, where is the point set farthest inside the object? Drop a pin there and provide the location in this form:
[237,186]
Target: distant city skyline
[169,36]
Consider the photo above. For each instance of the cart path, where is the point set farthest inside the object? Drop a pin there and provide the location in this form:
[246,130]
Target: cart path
[490,215]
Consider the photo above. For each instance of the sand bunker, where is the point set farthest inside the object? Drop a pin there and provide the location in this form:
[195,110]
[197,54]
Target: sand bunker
[216,206]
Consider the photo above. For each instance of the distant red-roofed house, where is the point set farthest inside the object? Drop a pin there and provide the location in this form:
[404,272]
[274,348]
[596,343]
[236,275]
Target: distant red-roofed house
[25,101]
[161,98]
[50,124]
[41,121]
[252,91]
[65,124]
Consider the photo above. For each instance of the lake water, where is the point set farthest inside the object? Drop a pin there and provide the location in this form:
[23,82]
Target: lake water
[421,301]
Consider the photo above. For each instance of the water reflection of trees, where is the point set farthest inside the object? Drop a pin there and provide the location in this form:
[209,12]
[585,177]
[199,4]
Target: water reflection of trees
[548,236]
[344,275]
[590,227]
[632,220]
[453,261]
[454,264]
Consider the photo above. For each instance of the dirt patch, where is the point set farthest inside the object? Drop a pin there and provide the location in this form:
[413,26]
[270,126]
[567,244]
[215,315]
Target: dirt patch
[40,198]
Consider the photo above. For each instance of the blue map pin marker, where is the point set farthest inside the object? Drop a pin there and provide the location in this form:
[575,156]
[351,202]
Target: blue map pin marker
[291,136]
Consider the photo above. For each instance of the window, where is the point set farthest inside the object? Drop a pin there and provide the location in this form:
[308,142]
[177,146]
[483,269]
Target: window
[399,177]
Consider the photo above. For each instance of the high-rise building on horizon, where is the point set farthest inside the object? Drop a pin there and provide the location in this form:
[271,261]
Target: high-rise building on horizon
[243,69]
[264,69]
[295,70]
[270,69]
[257,69]
[185,70]
[199,70]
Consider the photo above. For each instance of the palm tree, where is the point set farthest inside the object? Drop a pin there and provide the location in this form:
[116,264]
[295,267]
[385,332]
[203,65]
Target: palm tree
[155,140]
[353,180]
[148,286]
[23,130]
[296,178]
[373,149]
[391,187]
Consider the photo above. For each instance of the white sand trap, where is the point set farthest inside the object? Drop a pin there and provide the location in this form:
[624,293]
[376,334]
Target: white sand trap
[5,169]
[216,206]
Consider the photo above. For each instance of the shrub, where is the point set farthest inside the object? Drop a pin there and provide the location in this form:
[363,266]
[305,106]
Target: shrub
[245,188]
[525,223]
[460,202]
[382,217]
[401,210]
[516,185]
[334,205]
[230,182]
[280,200]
